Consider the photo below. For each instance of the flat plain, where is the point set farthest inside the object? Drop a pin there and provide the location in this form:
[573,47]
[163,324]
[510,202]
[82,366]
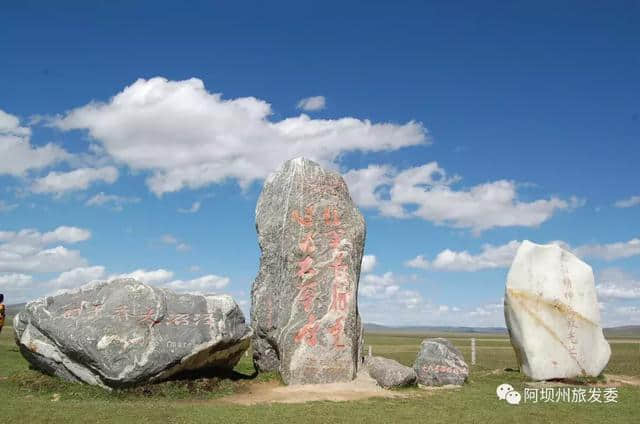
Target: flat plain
[28,396]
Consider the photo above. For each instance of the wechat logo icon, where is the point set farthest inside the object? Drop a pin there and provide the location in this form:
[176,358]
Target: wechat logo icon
[506,392]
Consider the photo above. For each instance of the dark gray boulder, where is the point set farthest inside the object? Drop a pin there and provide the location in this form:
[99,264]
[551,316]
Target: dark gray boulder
[125,333]
[439,363]
[304,301]
[389,373]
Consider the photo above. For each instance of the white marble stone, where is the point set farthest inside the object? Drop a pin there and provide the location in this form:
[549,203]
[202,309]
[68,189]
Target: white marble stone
[552,314]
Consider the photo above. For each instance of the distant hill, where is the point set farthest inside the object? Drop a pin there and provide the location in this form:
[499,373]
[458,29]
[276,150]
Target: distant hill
[377,328]
[612,332]
[624,331]
[12,310]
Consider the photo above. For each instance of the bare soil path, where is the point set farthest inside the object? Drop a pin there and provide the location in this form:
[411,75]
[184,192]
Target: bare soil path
[363,387]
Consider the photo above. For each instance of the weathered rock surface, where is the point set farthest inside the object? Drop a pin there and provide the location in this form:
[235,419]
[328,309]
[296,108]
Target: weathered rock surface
[125,333]
[439,363]
[552,314]
[304,309]
[389,373]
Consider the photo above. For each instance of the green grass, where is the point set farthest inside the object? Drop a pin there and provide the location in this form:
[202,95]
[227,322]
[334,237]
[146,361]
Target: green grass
[28,396]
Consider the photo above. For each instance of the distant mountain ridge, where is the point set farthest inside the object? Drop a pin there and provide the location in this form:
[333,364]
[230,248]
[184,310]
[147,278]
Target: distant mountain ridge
[432,329]
[12,310]
[622,331]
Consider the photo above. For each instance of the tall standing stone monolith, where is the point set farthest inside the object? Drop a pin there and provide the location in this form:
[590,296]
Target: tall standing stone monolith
[304,301]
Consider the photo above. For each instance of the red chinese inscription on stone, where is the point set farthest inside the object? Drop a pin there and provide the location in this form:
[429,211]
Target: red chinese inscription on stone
[178,319]
[308,293]
[331,217]
[97,310]
[336,330]
[307,245]
[440,369]
[206,319]
[340,298]
[339,269]
[334,238]
[72,312]
[308,332]
[305,268]
[305,220]
[308,289]
[148,317]
[121,312]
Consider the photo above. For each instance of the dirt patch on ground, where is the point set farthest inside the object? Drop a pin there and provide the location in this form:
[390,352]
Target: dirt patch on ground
[622,380]
[363,387]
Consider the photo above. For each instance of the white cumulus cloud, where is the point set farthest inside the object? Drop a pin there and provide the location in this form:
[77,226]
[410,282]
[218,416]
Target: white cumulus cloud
[418,262]
[13,280]
[186,136]
[373,285]
[628,203]
[77,277]
[311,104]
[28,250]
[427,192]
[202,285]
[147,276]
[47,260]
[449,260]
[17,155]
[386,288]
[610,251]
[113,201]
[501,256]
[62,234]
[615,284]
[78,179]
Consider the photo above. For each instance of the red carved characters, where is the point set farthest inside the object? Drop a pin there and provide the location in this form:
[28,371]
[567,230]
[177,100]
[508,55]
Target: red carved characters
[308,293]
[121,312]
[84,311]
[306,220]
[340,289]
[328,214]
[72,312]
[97,310]
[148,317]
[339,302]
[178,319]
[336,331]
[305,268]
[341,285]
[335,237]
[308,332]
[308,288]
[307,245]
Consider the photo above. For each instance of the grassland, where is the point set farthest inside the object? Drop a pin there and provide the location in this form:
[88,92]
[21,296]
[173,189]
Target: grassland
[26,396]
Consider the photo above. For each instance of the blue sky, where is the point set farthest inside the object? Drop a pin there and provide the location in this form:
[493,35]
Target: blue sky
[134,138]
